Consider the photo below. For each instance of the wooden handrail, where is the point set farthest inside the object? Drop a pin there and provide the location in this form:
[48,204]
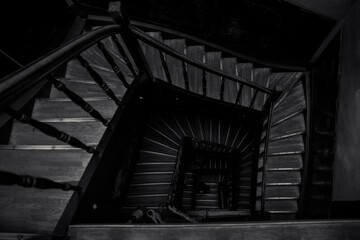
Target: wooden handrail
[143,37]
[15,84]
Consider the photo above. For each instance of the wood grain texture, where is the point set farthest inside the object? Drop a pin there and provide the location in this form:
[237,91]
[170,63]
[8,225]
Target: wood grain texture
[213,82]
[36,210]
[175,65]
[153,57]
[87,89]
[280,230]
[230,88]
[195,74]
[45,108]
[87,132]
[245,71]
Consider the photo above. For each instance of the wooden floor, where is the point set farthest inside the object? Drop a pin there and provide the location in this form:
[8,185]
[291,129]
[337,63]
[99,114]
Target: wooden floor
[319,230]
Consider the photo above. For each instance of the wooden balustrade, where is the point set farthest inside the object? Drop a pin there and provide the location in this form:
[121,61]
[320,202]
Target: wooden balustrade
[78,100]
[113,64]
[123,54]
[50,130]
[98,79]
[7,178]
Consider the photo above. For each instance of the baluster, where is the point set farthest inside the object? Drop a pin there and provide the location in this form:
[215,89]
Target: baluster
[222,89]
[50,130]
[123,54]
[238,96]
[186,77]
[7,178]
[164,64]
[78,100]
[98,79]
[253,99]
[113,64]
[204,82]
[265,157]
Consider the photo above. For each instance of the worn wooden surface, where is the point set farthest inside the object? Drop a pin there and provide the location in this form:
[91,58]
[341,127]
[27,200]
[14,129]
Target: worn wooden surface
[326,230]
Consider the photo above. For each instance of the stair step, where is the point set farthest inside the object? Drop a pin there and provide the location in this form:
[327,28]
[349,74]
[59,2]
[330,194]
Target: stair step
[148,188]
[87,132]
[65,108]
[213,82]
[291,127]
[175,65]
[281,177]
[284,161]
[146,177]
[280,191]
[155,167]
[153,57]
[245,71]
[87,88]
[195,74]
[74,70]
[281,206]
[230,88]
[290,145]
[281,80]
[38,210]
[293,103]
[59,165]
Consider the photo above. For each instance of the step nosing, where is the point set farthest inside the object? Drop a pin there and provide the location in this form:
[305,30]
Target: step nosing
[41,100]
[41,147]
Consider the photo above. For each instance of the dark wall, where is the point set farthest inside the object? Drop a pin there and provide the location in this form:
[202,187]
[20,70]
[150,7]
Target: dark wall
[31,28]
[347,158]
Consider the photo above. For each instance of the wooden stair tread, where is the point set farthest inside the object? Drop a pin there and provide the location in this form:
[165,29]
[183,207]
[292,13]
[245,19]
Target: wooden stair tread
[213,82]
[87,89]
[59,165]
[261,77]
[152,56]
[64,108]
[175,65]
[87,132]
[245,71]
[230,87]
[31,210]
[74,70]
[284,161]
[195,74]
[281,80]
[294,125]
[282,177]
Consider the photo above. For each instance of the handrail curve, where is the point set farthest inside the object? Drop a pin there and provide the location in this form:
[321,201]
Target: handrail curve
[18,82]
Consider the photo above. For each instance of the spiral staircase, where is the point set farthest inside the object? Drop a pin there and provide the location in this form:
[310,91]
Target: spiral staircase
[275,144]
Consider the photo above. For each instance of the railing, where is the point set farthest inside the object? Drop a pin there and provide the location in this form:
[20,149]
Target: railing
[206,83]
[17,84]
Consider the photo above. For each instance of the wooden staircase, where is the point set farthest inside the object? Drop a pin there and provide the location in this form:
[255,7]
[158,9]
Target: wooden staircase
[287,132]
[31,152]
